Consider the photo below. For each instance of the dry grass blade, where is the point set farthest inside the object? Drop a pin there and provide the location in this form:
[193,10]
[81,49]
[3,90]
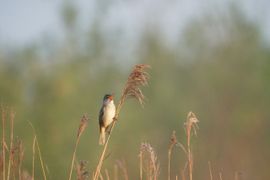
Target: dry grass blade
[173,142]
[220,176]
[20,158]
[123,167]
[141,164]
[35,143]
[11,152]
[17,157]
[33,157]
[41,161]
[190,124]
[4,146]
[82,126]
[107,174]
[210,170]
[137,78]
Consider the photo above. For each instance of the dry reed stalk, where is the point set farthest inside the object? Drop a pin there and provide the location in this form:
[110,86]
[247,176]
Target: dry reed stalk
[137,78]
[82,126]
[173,142]
[152,165]
[141,164]
[123,167]
[101,176]
[26,176]
[3,113]
[82,173]
[238,175]
[220,176]
[39,152]
[210,170]
[183,175]
[107,174]
[41,160]
[190,124]
[33,157]
[11,152]
[20,154]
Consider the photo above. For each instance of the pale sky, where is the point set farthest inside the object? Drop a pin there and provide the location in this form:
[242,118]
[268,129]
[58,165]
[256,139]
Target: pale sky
[27,21]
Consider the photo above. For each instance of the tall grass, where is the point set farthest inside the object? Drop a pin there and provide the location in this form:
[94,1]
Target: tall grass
[11,157]
[149,162]
[12,167]
[149,166]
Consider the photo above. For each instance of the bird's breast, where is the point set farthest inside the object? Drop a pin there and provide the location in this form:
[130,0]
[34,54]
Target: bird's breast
[109,113]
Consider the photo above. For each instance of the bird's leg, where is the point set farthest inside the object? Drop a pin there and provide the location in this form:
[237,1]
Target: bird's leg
[108,129]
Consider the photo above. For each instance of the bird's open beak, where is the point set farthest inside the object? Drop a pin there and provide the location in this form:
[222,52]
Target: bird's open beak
[111,97]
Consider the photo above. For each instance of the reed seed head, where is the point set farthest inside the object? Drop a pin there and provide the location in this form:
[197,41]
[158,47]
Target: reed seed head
[82,126]
[137,78]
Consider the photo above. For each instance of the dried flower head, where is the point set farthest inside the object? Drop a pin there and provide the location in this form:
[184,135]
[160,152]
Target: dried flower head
[151,160]
[82,126]
[191,123]
[173,139]
[137,78]
[82,172]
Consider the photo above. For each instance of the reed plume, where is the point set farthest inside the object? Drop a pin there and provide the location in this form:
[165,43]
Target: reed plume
[190,126]
[173,142]
[152,165]
[137,78]
[82,126]
[82,173]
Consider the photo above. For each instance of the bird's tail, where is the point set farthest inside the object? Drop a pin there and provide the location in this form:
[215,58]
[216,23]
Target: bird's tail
[102,136]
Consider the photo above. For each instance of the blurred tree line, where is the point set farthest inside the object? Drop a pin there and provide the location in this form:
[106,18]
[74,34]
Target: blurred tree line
[220,70]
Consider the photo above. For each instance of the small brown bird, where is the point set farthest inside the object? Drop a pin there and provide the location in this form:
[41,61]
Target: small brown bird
[106,116]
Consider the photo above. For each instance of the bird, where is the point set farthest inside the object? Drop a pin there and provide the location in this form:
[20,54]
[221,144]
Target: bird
[106,117]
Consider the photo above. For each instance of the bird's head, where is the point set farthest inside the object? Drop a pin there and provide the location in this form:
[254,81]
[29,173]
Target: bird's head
[108,98]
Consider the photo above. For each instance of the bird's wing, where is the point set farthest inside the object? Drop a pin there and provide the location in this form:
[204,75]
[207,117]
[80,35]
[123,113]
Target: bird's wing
[100,118]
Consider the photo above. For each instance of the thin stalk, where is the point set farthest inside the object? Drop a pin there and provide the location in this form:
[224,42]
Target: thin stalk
[189,156]
[107,174]
[190,163]
[220,176]
[169,164]
[141,165]
[3,143]
[73,158]
[80,130]
[41,161]
[35,143]
[33,157]
[20,160]
[101,159]
[11,143]
[210,170]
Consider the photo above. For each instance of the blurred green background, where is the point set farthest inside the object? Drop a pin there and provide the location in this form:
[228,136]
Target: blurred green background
[216,63]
